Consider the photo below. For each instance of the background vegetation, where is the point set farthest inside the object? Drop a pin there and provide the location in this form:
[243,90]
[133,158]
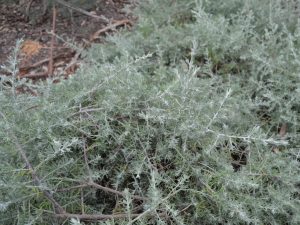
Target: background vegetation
[192,117]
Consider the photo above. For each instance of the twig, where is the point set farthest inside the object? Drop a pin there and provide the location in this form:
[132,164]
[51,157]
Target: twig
[109,27]
[91,183]
[82,201]
[66,4]
[36,75]
[88,110]
[98,186]
[28,10]
[97,217]
[45,61]
[73,61]
[148,211]
[71,188]
[50,66]
[87,164]
[282,135]
[184,209]
[36,180]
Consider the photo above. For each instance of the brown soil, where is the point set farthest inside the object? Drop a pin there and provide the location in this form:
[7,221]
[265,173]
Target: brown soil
[71,28]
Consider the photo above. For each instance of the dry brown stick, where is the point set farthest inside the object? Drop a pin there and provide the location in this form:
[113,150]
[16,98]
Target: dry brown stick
[98,217]
[41,62]
[50,66]
[36,180]
[74,60]
[35,75]
[109,27]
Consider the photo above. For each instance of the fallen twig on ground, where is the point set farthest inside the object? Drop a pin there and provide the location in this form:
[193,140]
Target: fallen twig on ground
[36,75]
[109,27]
[82,11]
[70,67]
[39,63]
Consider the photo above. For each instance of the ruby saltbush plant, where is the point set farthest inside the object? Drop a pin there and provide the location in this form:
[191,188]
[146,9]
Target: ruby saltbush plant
[192,117]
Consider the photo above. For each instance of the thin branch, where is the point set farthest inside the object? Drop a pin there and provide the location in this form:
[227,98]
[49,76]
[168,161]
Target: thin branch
[100,187]
[174,191]
[36,180]
[71,188]
[187,207]
[87,164]
[82,11]
[87,110]
[39,63]
[97,217]
[73,62]
[28,10]
[82,201]
[36,75]
[109,27]
[106,189]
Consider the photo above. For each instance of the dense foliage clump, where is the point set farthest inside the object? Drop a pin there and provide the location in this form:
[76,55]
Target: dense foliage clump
[192,117]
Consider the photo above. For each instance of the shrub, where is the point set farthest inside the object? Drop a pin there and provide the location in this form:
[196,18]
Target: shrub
[179,118]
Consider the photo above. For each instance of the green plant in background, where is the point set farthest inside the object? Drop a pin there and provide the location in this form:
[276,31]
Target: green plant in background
[178,117]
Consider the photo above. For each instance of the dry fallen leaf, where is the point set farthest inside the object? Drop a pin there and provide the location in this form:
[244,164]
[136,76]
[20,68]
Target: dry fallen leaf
[30,48]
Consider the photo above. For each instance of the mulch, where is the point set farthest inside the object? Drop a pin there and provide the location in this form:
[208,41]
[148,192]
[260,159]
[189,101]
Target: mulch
[44,53]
